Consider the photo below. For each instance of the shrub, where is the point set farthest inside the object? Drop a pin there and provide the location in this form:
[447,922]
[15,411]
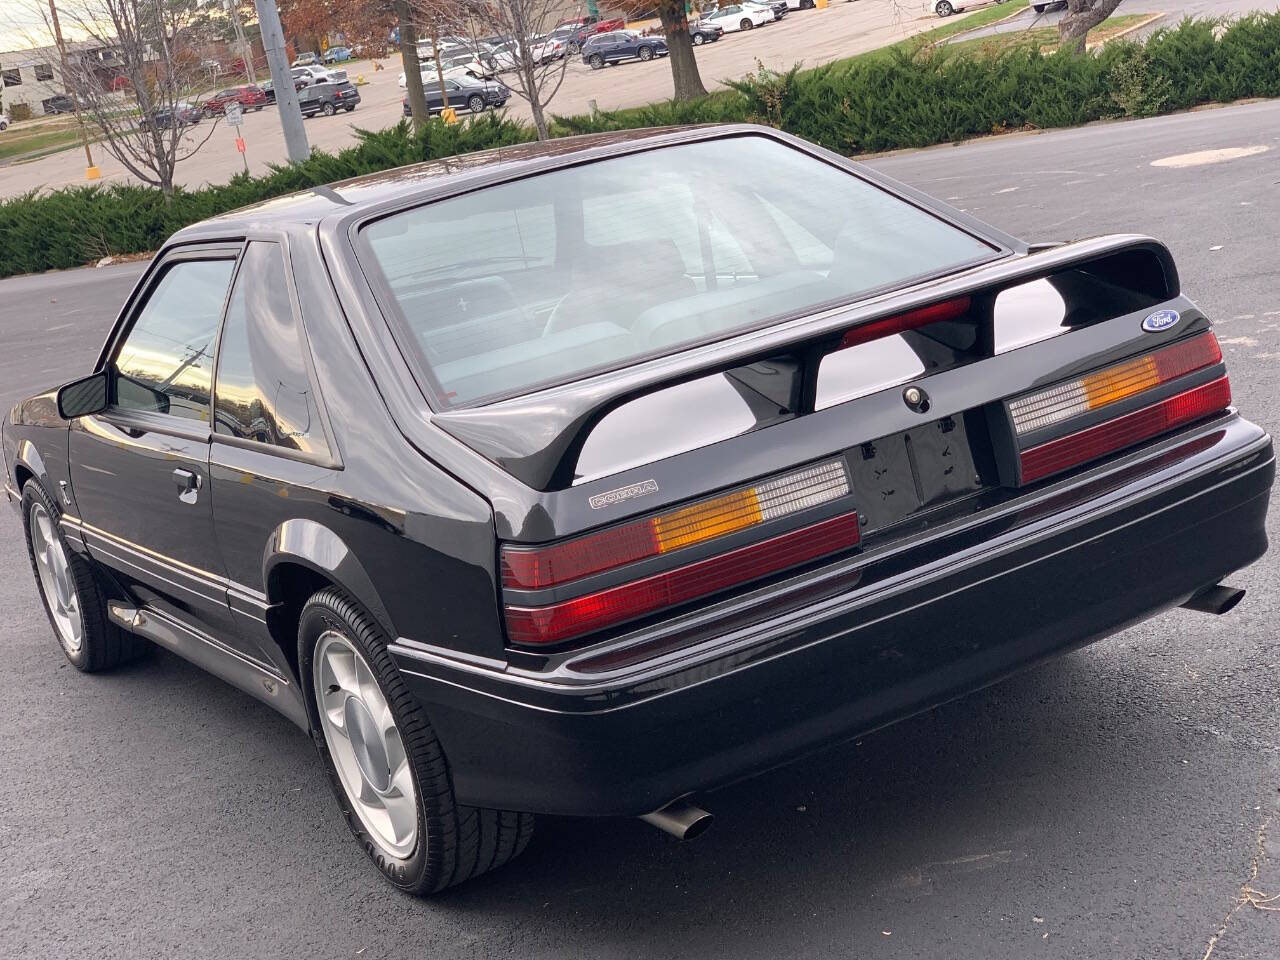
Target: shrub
[19,111]
[902,96]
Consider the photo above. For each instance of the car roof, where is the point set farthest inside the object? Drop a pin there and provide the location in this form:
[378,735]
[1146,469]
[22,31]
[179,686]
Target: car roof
[305,208]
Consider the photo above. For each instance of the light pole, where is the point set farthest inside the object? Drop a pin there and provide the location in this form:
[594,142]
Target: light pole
[246,51]
[91,172]
[295,137]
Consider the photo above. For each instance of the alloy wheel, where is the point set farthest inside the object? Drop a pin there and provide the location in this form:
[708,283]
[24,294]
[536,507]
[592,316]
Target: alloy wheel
[54,573]
[366,746]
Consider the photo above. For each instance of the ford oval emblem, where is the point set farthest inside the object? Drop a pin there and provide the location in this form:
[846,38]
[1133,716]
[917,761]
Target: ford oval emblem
[1160,320]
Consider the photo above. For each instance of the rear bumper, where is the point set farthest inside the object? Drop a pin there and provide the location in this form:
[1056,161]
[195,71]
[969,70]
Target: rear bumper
[1084,558]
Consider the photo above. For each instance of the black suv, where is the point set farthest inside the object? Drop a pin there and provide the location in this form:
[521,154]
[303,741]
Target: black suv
[328,98]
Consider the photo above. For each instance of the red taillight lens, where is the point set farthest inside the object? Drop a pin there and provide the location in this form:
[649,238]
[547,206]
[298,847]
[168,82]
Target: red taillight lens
[888,326]
[1125,431]
[541,626]
[537,567]
[1094,391]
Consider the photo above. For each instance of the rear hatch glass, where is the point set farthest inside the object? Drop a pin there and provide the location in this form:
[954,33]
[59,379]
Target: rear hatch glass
[553,277]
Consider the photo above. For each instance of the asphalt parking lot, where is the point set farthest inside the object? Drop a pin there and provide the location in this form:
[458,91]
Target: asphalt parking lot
[1111,804]
[808,36]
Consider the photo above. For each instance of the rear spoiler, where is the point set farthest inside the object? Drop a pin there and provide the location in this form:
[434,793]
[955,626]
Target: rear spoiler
[537,438]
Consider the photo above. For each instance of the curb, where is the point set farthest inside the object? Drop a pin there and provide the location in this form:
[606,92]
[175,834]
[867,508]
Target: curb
[1127,30]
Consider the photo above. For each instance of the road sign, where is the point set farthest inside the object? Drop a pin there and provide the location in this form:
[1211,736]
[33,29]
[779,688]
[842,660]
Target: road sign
[235,113]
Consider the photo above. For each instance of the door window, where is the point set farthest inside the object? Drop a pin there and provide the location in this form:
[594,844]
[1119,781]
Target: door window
[263,391]
[165,363]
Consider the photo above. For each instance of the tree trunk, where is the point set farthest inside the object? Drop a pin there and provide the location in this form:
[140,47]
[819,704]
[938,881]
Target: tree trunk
[412,70]
[539,119]
[1081,17]
[684,68]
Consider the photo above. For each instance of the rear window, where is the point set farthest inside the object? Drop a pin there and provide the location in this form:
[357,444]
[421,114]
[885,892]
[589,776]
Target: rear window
[556,276]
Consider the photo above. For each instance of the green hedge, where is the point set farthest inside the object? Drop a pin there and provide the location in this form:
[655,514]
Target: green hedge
[897,98]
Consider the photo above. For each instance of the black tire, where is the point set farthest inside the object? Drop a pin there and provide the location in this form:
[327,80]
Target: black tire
[1039,7]
[475,103]
[328,109]
[698,40]
[256,109]
[350,108]
[645,54]
[596,61]
[746,24]
[103,645]
[943,8]
[461,842]
[574,48]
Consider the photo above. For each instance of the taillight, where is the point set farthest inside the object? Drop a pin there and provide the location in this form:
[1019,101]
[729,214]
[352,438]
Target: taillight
[554,623]
[530,622]
[901,323]
[1064,402]
[537,567]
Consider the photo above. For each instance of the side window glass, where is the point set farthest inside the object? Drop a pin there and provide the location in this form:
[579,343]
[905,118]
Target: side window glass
[263,392]
[165,363]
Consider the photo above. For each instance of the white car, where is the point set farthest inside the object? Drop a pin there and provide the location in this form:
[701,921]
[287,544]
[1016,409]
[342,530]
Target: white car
[738,16]
[453,68]
[315,74]
[945,8]
[4,122]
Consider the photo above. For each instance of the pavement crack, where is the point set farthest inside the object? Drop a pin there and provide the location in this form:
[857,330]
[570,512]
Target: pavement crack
[1249,896]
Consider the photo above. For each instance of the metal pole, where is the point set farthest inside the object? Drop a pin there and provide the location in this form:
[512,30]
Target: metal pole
[91,171]
[295,137]
[246,51]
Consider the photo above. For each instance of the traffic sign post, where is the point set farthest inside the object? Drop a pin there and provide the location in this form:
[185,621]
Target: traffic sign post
[234,113]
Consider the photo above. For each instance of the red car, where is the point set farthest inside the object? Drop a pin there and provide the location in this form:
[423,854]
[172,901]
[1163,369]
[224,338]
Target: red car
[250,96]
[588,27]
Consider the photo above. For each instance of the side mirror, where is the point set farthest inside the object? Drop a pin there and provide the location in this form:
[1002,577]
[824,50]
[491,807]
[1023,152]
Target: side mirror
[82,397]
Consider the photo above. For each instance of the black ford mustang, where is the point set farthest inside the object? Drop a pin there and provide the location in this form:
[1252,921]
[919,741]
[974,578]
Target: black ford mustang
[533,482]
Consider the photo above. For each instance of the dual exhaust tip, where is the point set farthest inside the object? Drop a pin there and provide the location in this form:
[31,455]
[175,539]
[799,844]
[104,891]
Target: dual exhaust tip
[1218,599]
[681,819]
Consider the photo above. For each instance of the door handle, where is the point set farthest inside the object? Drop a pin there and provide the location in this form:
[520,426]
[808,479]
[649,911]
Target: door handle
[188,484]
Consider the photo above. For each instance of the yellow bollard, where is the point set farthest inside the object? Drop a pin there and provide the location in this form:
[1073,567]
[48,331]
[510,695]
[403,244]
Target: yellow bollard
[820,4]
[449,115]
[92,173]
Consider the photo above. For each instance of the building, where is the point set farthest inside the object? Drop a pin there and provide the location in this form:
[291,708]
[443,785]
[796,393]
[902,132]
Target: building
[32,77]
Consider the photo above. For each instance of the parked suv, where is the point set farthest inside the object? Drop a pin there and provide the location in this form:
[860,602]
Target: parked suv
[328,98]
[621,45]
[474,95]
[701,33]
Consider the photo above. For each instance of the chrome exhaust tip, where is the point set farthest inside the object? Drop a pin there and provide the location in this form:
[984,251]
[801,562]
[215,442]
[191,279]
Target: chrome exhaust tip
[681,819]
[1218,599]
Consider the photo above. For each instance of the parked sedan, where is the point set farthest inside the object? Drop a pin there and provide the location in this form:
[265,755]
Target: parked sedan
[184,114]
[308,59]
[704,32]
[737,17]
[473,95]
[778,7]
[945,8]
[249,96]
[328,98]
[516,510]
[621,45]
[4,122]
[337,55]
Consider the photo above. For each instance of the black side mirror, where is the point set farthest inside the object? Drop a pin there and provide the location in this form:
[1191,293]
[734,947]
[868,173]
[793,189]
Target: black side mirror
[79,398]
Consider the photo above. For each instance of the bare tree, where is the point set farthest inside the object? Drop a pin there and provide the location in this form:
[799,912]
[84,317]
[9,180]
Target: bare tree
[405,17]
[133,76]
[1082,16]
[684,68]
[533,67]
